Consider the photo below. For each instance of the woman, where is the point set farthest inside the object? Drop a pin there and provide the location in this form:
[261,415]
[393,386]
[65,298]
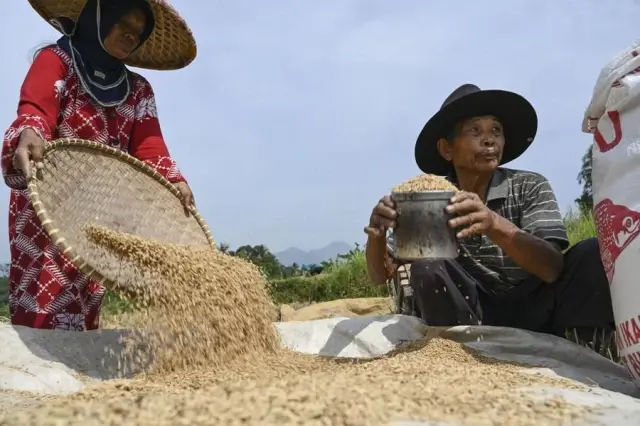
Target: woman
[81,88]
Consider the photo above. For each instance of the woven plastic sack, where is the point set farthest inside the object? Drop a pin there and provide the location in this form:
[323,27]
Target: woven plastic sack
[613,116]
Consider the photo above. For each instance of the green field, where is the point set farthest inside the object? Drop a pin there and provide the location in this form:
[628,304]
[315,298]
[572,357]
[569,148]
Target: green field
[344,278]
[4,297]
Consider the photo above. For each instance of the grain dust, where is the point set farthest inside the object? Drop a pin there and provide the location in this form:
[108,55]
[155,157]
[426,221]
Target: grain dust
[217,359]
[425,182]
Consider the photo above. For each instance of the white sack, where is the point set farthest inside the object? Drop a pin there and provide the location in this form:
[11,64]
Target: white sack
[613,116]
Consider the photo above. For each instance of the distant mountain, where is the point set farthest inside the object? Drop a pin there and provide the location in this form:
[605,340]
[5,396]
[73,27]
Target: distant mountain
[311,257]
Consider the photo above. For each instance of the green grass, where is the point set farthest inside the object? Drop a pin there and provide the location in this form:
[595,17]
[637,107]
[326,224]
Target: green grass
[4,297]
[579,227]
[114,305]
[342,280]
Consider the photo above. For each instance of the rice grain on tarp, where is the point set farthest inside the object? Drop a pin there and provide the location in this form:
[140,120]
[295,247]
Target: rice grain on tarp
[433,380]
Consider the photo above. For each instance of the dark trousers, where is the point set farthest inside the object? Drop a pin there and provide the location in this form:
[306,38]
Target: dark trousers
[446,295]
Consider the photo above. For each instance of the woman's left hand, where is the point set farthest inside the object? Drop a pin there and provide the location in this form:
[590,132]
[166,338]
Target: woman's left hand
[186,196]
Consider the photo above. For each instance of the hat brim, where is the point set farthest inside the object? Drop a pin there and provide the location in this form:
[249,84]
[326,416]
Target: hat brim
[515,113]
[170,46]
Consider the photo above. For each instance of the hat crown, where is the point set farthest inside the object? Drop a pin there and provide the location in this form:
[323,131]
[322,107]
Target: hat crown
[460,92]
[516,114]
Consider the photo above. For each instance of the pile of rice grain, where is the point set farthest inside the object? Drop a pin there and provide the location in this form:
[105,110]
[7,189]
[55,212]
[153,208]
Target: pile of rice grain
[436,381]
[425,182]
[217,360]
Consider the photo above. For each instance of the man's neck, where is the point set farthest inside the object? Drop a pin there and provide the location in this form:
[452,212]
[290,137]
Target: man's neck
[473,182]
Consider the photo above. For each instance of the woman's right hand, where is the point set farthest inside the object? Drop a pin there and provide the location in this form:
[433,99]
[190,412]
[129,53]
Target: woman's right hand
[30,148]
[383,217]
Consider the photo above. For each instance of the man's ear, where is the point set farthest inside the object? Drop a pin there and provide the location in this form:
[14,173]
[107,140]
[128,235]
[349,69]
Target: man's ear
[444,148]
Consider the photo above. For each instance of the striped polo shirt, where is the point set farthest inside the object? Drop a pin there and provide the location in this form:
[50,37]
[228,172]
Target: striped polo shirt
[527,200]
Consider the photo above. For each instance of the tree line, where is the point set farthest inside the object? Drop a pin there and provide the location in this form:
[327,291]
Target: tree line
[585,201]
[262,257]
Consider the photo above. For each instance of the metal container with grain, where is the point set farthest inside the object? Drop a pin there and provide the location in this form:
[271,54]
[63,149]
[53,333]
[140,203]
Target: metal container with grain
[422,230]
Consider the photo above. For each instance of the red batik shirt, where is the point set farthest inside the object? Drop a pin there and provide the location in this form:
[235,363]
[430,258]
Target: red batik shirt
[45,289]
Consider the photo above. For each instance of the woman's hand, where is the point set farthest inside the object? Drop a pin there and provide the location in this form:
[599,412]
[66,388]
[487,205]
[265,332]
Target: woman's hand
[474,217]
[30,148]
[186,196]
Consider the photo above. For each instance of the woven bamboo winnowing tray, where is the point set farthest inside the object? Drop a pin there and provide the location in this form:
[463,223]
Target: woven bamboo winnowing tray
[86,182]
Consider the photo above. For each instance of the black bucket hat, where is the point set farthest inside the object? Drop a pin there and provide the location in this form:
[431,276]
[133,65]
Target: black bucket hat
[517,115]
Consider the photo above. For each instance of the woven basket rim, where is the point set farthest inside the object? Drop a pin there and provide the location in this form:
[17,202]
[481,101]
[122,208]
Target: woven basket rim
[49,224]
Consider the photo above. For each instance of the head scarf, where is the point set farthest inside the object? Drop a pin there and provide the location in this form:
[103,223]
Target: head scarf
[104,77]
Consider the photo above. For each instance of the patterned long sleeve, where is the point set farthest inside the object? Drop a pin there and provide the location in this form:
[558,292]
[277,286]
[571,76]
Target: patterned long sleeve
[38,109]
[147,143]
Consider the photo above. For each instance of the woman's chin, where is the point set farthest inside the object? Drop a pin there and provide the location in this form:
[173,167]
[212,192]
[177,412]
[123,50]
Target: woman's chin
[119,54]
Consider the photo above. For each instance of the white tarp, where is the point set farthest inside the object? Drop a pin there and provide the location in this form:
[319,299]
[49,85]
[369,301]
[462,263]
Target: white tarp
[48,362]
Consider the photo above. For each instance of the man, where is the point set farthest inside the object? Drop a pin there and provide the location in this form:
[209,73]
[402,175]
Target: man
[511,270]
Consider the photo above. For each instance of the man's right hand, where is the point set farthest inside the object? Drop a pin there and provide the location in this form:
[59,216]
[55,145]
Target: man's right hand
[383,217]
[30,148]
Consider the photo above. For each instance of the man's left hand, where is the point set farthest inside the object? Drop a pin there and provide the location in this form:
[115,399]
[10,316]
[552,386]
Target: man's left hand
[474,217]
[186,196]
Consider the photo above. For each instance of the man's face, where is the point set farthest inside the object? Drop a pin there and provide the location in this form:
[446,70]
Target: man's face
[476,146]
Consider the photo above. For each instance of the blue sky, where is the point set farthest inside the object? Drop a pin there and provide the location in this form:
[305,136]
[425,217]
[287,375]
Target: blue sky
[298,115]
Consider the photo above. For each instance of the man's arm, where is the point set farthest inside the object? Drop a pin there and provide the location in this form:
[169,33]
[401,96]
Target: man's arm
[537,247]
[378,267]
[535,255]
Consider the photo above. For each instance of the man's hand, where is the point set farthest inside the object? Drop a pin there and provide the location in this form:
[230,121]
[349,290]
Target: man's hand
[474,217]
[30,148]
[382,218]
[535,255]
[186,196]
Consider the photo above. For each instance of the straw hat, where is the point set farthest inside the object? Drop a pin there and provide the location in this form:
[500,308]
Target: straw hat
[171,45]
[516,114]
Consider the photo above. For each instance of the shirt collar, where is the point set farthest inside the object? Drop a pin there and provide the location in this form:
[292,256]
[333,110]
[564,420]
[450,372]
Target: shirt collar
[498,187]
